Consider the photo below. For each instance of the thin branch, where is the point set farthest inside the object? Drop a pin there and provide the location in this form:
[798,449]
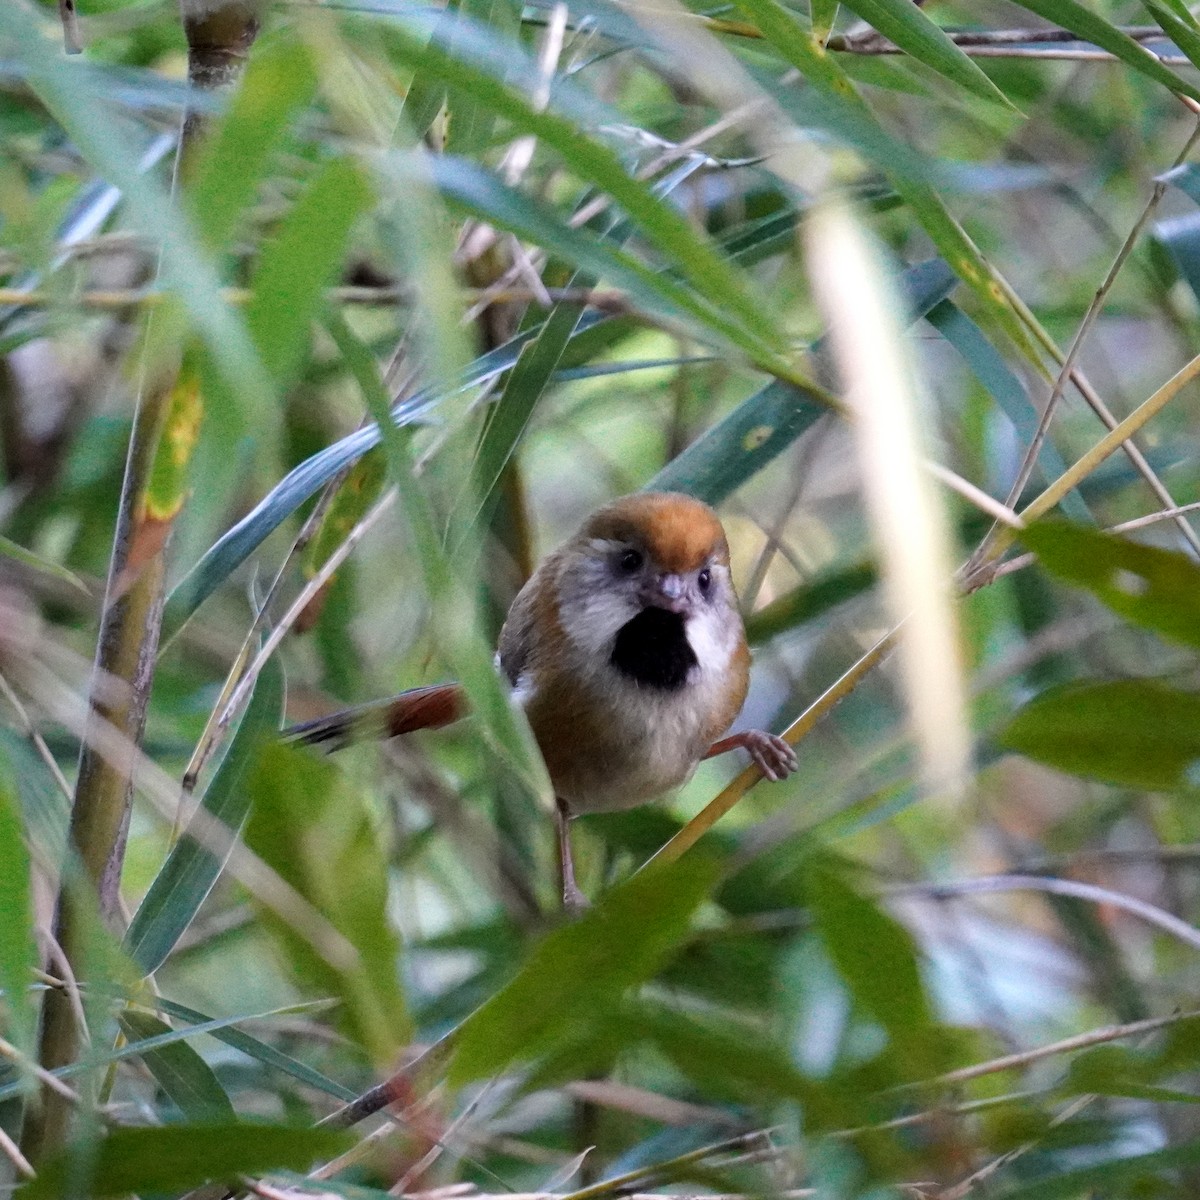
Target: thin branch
[1080,1041]
[1059,887]
[1068,363]
[302,600]
[799,729]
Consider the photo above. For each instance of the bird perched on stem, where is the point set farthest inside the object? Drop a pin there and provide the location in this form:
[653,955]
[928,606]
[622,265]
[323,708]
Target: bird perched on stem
[627,653]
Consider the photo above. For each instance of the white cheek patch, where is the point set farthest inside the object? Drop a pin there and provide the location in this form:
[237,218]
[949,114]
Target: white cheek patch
[712,637]
[592,606]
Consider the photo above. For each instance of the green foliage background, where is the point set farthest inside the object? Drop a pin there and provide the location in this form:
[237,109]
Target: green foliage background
[434,283]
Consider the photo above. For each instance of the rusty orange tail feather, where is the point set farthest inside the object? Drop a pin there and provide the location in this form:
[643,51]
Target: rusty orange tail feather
[421,708]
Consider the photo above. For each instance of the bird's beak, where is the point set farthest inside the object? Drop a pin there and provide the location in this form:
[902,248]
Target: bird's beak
[669,592]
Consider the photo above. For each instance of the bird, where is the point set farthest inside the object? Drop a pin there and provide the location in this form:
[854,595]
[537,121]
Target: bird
[627,652]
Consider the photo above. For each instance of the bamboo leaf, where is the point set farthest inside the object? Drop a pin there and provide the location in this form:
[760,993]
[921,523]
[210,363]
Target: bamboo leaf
[1151,587]
[315,832]
[190,871]
[1131,732]
[581,968]
[257,1049]
[35,561]
[906,25]
[1070,14]
[299,261]
[172,1158]
[185,1077]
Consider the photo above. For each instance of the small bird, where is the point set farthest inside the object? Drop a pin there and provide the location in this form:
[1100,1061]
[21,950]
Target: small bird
[627,653]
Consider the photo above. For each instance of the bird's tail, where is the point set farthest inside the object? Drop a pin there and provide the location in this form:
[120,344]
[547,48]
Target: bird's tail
[421,708]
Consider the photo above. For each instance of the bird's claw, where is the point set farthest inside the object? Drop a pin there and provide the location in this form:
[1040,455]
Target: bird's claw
[771,754]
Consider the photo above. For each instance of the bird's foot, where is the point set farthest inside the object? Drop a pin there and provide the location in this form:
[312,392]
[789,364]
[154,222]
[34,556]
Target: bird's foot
[772,755]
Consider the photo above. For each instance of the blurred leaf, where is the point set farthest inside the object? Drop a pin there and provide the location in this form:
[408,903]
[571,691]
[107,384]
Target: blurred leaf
[175,1157]
[1006,388]
[185,1077]
[277,83]
[1124,1173]
[85,114]
[468,187]
[38,563]
[18,952]
[1069,14]
[297,263]
[808,601]
[1150,587]
[877,957]
[456,628]
[905,24]
[190,871]
[316,832]
[819,68]
[824,13]
[718,462]
[259,1050]
[98,996]
[1179,26]
[582,967]
[1118,1071]
[1132,733]
[668,230]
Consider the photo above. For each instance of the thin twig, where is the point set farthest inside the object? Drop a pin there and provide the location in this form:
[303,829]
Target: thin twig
[1085,326]
[302,600]
[1059,887]
[14,1154]
[1080,1041]
[799,729]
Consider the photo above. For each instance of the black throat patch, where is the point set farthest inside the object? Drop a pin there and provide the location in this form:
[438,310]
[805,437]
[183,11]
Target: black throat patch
[653,650]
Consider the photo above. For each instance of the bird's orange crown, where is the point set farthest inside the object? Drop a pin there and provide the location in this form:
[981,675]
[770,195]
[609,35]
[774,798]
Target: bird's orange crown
[680,533]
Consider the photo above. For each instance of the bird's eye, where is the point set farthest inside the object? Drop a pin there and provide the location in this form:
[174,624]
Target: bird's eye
[630,561]
[704,579]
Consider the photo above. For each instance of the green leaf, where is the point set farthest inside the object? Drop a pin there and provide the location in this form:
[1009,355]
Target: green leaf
[1133,733]
[906,25]
[102,1058]
[173,1158]
[18,952]
[278,83]
[718,462]
[819,68]
[85,113]
[185,1077]
[190,871]
[316,832]
[755,433]
[38,563]
[257,1049]
[877,958]
[481,76]
[1081,21]
[509,416]
[1150,587]
[808,601]
[468,187]
[1006,388]
[582,967]
[1179,25]
[1102,1178]
[299,261]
